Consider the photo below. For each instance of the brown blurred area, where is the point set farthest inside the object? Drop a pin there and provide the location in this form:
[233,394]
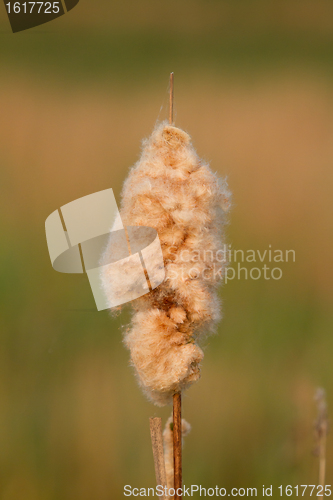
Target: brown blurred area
[253,87]
[198,16]
[273,140]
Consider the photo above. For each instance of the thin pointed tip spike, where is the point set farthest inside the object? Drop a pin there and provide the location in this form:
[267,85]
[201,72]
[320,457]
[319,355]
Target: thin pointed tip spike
[171,99]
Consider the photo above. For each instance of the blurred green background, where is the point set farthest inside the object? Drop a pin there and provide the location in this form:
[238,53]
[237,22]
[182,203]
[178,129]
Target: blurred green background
[254,88]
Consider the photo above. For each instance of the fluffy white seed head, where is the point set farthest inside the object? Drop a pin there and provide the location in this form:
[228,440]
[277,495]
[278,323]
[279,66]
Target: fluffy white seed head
[173,191]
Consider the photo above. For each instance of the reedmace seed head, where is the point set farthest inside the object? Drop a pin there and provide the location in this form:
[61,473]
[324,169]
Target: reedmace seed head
[171,190]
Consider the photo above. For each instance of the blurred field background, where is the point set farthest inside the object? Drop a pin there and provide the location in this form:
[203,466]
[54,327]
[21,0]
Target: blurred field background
[254,88]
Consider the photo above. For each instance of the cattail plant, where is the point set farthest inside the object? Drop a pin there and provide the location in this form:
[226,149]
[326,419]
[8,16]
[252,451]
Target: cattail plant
[175,192]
